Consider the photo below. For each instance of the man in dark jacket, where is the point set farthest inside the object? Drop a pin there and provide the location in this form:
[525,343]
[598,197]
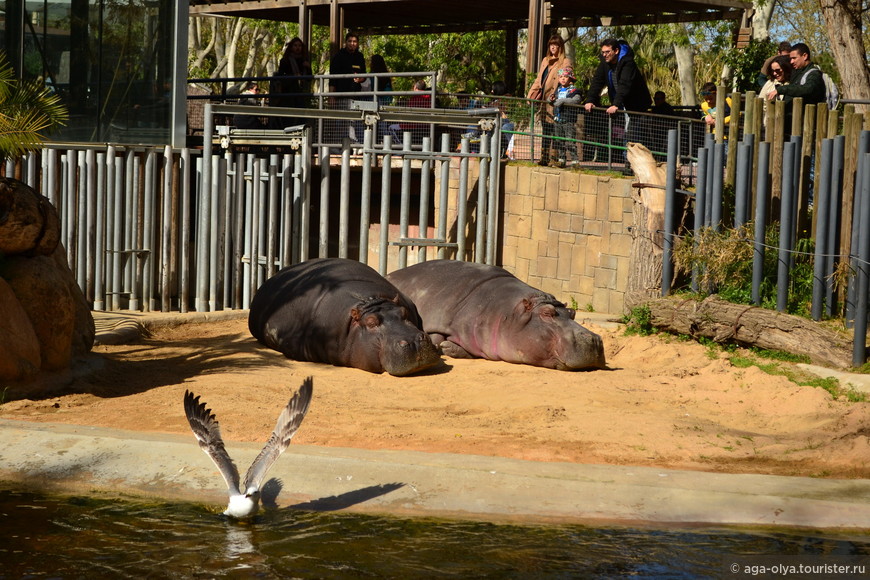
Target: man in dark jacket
[626,89]
[806,79]
[348,60]
[626,86]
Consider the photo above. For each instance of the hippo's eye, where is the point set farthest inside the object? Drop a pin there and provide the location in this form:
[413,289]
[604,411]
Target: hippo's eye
[548,311]
[372,321]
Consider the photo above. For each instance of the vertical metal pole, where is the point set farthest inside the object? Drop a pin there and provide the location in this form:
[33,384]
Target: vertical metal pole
[365,210]
[741,186]
[166,233]
[761,193]
[203,217]
[184,268]
[859,343]
[274,214]
[444,196]
[386,171]
[405,199]
[836,200]
[50,190]
[135,279]
[462,201]
[492,215]
[425,176]
[288,211]
[718,184]
[247,218]
[822,207]
[83,226]
[148,225]
[254,255]
[216,232]
[851,296]
[482,185]
[300,243]
[786,221]
[240,269]
[228,205]
[305,218]
[110,226]
[344,200]
[131,203]
[100,234]
[323,247]
[670,208]
[700,206]
[118,233]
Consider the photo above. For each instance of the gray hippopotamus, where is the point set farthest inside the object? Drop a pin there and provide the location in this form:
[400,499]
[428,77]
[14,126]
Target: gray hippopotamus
[341,312]
[475,310]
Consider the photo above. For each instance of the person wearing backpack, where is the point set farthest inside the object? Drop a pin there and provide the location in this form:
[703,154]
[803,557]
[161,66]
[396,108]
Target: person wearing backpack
[807,79]
[626,90]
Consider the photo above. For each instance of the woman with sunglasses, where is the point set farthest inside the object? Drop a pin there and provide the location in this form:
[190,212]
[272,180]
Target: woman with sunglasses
[778,73]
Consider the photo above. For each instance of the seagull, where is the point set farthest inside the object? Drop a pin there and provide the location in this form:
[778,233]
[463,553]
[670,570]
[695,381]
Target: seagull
[245,501]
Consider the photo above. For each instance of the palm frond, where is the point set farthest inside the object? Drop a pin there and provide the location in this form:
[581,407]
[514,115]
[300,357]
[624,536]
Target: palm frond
[28,111]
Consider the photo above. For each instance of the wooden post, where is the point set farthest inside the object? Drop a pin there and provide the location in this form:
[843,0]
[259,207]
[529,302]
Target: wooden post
[733,138]
[776,139]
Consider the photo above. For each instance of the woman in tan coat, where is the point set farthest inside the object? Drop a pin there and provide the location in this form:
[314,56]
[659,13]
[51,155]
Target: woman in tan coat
[544,88]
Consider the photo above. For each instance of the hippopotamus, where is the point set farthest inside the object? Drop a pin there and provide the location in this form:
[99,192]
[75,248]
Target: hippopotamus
[342,312]
[480,311]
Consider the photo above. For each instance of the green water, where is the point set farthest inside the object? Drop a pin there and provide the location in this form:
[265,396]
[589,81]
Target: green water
[79,537]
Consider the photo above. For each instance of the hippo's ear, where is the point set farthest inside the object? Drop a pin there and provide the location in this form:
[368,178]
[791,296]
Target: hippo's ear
[528,304]
[354,315]
[395,299]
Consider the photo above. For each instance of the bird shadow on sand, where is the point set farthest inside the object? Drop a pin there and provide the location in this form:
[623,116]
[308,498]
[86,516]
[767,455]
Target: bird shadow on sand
[346,500]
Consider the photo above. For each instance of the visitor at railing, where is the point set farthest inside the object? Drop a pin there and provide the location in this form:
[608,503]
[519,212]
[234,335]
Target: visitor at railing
[291,84]
[543,89]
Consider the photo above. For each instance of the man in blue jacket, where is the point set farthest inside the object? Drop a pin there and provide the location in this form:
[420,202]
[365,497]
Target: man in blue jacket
[626,87]
[626,90]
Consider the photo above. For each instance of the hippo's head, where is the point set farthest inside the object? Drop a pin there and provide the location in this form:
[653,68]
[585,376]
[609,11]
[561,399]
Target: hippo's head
[386,335]
[544,333]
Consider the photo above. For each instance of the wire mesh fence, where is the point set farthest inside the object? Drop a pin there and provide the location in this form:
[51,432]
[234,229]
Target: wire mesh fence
[579,138]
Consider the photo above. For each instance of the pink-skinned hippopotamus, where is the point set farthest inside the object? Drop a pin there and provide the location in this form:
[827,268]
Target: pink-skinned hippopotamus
[481,311]
[341,312]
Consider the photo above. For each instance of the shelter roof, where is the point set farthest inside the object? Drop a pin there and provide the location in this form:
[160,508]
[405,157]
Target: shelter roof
[416,16]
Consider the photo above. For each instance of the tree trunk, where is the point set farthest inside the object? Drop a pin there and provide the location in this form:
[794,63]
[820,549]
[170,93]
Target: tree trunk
[645,262]
[761,18]
[684,54]
[751,326]
[843,22]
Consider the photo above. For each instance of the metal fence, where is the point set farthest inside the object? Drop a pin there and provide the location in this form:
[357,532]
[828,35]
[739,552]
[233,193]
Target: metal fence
[162,229]
[752,205]
[591,139]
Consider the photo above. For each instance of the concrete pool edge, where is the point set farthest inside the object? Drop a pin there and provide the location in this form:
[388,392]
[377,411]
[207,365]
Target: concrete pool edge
[70,458]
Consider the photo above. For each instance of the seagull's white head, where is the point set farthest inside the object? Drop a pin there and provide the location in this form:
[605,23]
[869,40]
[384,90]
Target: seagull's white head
[244,504]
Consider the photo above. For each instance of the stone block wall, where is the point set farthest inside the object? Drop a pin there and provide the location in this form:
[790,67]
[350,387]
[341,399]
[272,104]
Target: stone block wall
[568,234]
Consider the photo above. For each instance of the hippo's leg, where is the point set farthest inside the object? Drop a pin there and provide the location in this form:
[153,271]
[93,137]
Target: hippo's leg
[453,350]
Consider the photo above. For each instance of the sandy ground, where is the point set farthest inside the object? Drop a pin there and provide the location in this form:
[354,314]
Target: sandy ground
[662,402]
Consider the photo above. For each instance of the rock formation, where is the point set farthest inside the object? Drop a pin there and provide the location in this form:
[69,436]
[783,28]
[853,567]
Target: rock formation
[45,320]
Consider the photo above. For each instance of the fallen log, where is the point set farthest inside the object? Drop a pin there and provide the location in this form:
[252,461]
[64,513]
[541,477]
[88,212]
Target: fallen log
[725,322]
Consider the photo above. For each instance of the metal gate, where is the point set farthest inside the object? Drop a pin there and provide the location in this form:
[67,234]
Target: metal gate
[150,229]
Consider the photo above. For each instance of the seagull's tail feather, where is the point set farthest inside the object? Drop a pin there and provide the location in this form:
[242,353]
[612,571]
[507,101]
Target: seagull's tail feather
[285,428]
[207,431]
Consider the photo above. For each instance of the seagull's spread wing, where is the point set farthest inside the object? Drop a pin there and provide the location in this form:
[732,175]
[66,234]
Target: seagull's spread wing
[288,422]
[205,427]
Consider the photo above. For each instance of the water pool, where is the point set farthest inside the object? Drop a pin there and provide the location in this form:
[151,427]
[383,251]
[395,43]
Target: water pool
[83,537]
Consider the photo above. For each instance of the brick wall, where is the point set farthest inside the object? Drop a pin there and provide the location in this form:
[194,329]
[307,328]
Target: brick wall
[568,234]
